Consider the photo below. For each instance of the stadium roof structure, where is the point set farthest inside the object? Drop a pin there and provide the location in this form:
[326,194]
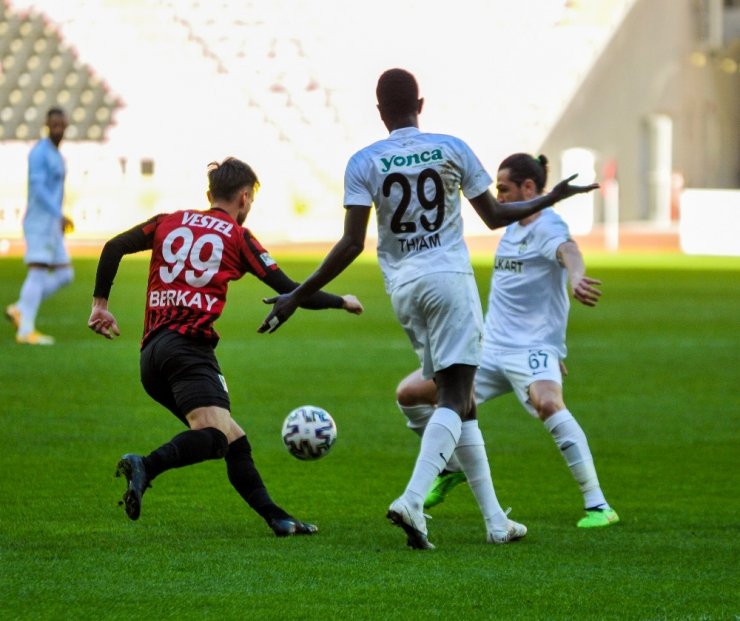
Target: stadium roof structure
[39,70]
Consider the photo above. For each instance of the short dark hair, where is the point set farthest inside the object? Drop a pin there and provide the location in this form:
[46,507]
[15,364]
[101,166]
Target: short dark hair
[227,178]
[397,92]
[523,166]
[55,110]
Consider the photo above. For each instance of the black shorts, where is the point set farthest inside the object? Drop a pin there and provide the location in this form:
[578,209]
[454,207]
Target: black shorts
[182,374]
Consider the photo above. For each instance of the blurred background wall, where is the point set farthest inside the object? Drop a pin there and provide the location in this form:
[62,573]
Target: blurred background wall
[641,95]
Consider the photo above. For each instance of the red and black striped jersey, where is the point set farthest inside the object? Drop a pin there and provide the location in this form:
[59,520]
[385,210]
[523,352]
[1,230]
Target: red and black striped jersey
[195,254]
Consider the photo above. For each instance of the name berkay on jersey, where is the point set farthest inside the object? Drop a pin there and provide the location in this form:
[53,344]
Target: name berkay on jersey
[178,297]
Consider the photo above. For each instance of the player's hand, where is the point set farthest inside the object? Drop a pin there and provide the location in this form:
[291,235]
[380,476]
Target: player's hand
[283,307]
[585,291]
[564,189]
[352,304]
[67,225]
[104,323]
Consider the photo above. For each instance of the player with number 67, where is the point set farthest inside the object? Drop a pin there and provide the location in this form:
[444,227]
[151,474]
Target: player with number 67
[414,180]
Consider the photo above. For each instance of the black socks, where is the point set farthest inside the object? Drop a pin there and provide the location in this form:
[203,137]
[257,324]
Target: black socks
[189,447]
[197,445]
[246,480]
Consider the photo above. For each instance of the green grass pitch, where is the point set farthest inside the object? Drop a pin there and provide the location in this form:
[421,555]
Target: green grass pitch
[653,381]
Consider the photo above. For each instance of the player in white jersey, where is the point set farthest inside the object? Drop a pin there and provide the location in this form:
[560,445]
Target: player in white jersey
[524,340]
[44,225]
[414,179]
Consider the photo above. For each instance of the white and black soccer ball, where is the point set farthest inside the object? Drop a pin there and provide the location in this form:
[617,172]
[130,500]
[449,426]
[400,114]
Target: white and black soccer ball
[309,432]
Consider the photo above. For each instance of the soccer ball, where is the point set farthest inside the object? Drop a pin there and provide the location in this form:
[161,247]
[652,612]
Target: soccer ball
[309,432]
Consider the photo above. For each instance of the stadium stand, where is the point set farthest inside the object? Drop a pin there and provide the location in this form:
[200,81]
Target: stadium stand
[39,70]
[285,84]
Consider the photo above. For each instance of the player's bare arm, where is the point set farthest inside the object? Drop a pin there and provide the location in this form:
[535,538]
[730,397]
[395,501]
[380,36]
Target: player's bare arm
[495,214]
[582,287]
[344,252]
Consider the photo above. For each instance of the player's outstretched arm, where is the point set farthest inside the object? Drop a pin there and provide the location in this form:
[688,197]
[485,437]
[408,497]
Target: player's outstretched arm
[565,189]
[101,320]
[346,250]
[496,215]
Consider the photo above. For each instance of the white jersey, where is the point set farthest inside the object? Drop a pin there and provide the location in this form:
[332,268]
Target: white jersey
[414,179]
[46,172]
[528,303]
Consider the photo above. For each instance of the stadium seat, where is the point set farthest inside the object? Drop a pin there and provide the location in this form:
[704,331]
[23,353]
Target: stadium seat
[41,70]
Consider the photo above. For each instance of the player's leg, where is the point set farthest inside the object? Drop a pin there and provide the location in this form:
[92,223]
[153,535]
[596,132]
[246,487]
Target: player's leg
[442,316]
[490,383]
[463,342]
[416,398]
[60,272]
[27,307]
[418,304]
[547,398]
[437,445]
[57,277]
[49,269]
[471,453]
[453,349]
[206,440]
[184,376]
[246,480]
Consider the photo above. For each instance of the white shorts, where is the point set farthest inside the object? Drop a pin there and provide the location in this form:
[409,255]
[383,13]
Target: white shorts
[505,371]
[441,314]
[46,248]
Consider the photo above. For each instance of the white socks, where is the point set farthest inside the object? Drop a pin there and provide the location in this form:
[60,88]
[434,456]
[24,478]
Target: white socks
[418,416]
[438,441]
[40,283]
[471,453]
[573,445]
[56,279]
[32,292]
[437,445]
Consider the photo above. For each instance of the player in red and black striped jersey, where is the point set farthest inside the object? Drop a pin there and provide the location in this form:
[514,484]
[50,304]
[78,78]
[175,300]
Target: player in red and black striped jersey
[195,254]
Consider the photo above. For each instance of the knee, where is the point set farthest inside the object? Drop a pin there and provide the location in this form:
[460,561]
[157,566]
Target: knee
[220,442]
[405,395]
[65,275]
[546,398]
[415,390]
[547,407]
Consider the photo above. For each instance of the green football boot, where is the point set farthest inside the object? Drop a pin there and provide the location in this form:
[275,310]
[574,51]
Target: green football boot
[596,518]
[442,486]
